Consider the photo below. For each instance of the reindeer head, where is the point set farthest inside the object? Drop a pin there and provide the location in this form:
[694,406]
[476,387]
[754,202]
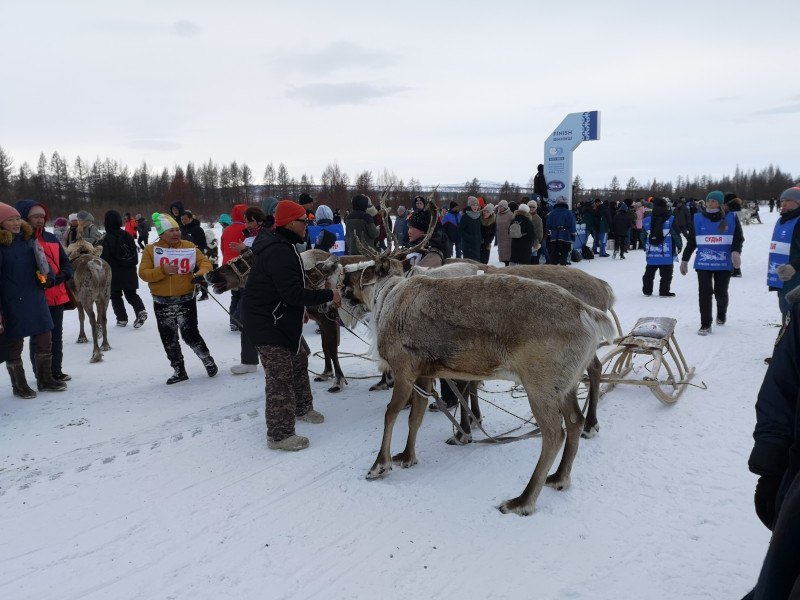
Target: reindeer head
[80,247]
[233,274]
[360,278]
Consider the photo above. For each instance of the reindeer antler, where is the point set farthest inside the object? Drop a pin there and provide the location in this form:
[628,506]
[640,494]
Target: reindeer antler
[393,243]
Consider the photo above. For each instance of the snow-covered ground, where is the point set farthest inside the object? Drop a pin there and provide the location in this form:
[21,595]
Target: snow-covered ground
[123,487]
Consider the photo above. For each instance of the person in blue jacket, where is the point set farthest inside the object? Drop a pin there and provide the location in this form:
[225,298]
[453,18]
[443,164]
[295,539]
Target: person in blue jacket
[776,460]
[324,232]
[561,230]
[662,244]
[783,270]
[717,236]
[450,223]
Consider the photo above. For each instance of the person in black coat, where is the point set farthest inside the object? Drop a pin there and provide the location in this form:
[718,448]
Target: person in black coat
[119,251]
[522,246]
[540,188]
[273,306]
[776,460]
[143,229]
[621,224]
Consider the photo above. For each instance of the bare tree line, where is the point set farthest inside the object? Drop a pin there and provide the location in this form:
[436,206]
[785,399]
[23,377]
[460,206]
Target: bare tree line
[211,189]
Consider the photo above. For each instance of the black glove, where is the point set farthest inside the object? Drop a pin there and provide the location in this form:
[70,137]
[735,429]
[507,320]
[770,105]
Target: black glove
[60,278]
[199,280]
[765,498]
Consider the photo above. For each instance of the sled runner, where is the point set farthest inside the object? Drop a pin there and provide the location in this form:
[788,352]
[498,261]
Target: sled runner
[666,373]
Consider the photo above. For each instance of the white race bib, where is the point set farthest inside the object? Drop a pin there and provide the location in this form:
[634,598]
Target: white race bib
[184,258]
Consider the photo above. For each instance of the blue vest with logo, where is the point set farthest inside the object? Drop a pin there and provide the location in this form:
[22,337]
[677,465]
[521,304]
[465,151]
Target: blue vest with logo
[659,255]
[779,249]
[713,246]
[336,229]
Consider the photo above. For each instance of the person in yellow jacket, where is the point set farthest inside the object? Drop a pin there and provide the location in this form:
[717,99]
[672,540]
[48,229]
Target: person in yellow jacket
[168,266]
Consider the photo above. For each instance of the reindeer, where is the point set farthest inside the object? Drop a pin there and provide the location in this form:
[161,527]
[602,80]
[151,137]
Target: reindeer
[592,290]
[425,328]
[91,285]
[318,266]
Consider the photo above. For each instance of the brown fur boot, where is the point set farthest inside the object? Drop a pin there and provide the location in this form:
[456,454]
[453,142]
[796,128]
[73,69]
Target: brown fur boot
[18,381]
[44,374]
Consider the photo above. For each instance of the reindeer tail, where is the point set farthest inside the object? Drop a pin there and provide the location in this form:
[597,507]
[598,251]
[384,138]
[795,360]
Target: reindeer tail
[599,323]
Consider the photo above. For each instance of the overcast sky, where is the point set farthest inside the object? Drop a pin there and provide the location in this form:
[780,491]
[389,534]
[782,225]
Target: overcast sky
[441,91]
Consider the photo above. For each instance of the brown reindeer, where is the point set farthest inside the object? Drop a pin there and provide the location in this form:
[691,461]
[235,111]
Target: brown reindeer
[592,290]
[318,266]
[91,286]
[426,327]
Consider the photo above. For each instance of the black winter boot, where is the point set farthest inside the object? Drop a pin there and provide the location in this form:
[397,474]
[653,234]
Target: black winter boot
[178,375]
[44,374]
[18,381]
[211,366]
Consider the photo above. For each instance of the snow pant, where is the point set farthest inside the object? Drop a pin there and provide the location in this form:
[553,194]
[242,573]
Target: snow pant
[142,242]
[40,344]
[288,391]
[485,252]
[233,309]
[179,318]
[56,343]
[600,239]
[713,283]
[559,252]
[780,573]
[621,244]
[665,273]
[119,306]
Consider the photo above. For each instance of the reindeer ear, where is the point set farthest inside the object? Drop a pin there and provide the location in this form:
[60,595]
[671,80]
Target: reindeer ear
[383,268]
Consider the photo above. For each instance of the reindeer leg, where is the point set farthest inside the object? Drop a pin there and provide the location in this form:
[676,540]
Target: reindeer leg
[340,379]
[573,419]
[546,412]
[408,457]
[102,314]
[591,426]
[97,356]
[82,339]
[325,334]
[458,439]
[475,401]
[400,394]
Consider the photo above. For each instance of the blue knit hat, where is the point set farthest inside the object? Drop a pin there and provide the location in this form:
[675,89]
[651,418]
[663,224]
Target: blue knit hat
[716,195]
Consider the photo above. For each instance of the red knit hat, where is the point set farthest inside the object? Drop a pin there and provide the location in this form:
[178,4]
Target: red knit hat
[287,212]
[6,212]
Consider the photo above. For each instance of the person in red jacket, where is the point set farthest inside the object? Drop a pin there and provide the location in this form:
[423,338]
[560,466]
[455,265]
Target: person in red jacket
[35,213]
[130,225]
[232,236]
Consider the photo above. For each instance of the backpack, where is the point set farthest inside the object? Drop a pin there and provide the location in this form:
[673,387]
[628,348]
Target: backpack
[515,230]
[575,256]
[587,253]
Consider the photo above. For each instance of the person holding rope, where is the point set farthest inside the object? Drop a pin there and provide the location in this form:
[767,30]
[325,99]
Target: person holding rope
[273,306]
[168,266]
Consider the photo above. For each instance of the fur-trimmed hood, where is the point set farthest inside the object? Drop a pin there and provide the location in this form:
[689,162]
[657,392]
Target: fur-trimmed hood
[6,237]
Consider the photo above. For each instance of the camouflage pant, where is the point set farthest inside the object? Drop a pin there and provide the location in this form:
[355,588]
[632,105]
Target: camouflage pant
[287,388]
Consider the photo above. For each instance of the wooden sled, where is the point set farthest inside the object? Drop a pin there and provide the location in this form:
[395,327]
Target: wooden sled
[667,373]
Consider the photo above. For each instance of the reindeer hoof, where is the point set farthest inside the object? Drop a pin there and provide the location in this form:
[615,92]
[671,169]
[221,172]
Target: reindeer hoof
[322,377]
[335,388]
[377,471]
[378,387]
[556,482]
[403,460]
[83,340]
[96,358]
[105,347]
[459,440]
[515,506]
[590,432]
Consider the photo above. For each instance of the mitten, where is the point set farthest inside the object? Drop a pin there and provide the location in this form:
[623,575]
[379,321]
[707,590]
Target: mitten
[786,272]
[765,496]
